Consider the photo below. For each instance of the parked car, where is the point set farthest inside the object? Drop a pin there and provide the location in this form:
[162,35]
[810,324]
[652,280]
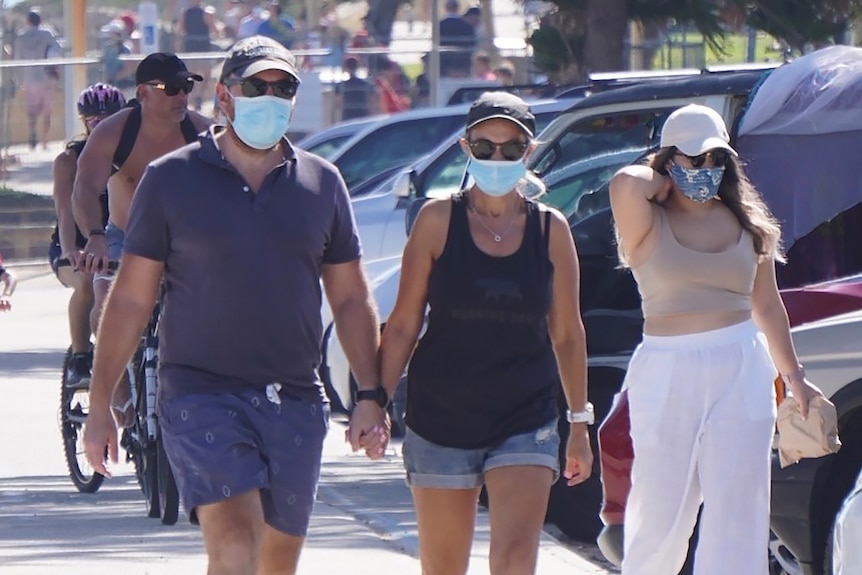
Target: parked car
[846,551]
[397,140]
[326,142]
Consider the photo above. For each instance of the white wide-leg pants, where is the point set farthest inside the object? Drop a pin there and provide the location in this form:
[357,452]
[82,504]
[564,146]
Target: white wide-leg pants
[702,410]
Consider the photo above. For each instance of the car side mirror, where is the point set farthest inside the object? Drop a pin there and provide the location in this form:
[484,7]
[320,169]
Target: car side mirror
[402,187]
[413,212]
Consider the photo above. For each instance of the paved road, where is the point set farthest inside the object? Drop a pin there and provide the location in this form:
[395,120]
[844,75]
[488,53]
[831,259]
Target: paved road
[363,522]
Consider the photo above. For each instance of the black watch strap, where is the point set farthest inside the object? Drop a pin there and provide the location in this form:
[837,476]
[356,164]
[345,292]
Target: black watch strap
[379,396]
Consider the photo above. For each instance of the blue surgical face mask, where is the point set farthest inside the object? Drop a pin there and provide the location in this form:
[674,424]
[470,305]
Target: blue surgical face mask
[261,122]
[496,178]
[698,184]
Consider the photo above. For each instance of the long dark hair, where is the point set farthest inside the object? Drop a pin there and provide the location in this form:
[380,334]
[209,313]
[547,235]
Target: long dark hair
[738,193]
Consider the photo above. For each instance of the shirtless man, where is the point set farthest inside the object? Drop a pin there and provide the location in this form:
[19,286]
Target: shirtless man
[119,150]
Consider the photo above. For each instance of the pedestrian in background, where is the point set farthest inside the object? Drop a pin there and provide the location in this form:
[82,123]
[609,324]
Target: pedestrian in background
[353,96]
[242,412]
[38,83]
[9,283]
[702,246]
[500,275]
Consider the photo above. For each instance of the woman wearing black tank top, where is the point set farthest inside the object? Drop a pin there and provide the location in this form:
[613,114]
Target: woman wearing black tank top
[95,103]
[500,274]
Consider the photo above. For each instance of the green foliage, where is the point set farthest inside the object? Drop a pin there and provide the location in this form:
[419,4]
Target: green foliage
[799,22]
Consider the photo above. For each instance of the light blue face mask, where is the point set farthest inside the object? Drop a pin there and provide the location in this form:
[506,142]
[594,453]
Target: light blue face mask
[261,122]
[496,178]
[698,184]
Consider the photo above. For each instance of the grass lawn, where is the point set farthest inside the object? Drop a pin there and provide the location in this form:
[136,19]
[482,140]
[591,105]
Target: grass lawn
[735,51]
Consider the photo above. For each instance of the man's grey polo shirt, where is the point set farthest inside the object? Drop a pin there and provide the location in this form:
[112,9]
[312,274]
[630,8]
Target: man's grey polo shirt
[242,270]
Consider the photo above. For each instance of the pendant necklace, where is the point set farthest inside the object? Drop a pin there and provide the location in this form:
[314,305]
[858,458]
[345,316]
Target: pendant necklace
[497,237]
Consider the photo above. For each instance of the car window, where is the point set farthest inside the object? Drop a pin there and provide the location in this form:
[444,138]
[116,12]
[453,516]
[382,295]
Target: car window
[391,145]
[578,189]
[597,135]
[326,148]
[444,176]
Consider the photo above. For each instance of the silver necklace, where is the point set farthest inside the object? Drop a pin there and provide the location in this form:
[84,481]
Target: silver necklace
[497,237]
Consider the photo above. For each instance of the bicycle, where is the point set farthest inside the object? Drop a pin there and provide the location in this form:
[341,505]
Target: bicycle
[142,441]
[74,407]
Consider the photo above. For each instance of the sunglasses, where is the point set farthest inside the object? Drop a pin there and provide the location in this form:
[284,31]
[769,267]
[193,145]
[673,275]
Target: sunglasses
[254,87]
[719,158]
[174,89]
[483,149]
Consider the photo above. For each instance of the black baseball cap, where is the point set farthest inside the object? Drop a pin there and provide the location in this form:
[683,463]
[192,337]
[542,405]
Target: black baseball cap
[255,54]
[505,106]
[165,67]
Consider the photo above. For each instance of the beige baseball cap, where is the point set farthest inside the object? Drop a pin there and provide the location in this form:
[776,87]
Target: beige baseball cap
[695,129]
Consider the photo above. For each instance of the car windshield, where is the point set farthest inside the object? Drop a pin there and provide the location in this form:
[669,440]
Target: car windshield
[579,190]
[392,145]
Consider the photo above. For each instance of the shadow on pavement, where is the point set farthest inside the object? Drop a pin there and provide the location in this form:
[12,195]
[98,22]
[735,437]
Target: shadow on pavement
[44,518]
[20,362]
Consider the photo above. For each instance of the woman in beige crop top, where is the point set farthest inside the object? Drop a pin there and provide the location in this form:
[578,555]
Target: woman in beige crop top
[702,246]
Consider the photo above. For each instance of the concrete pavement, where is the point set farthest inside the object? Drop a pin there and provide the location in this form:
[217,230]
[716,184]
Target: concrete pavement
[363,522]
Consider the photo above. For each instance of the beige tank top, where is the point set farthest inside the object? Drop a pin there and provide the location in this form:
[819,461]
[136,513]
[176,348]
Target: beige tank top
[676,280]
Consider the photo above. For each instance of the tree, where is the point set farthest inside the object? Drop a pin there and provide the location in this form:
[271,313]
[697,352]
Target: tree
[587,35]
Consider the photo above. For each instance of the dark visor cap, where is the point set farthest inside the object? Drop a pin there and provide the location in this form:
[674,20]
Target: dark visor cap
[164,67]
[505,106]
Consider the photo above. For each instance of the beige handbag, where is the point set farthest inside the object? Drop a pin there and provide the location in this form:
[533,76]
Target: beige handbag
[813,437]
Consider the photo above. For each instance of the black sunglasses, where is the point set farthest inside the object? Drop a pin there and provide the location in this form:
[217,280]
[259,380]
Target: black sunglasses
[174,89]
[254,87]
[719,158]
[483,149]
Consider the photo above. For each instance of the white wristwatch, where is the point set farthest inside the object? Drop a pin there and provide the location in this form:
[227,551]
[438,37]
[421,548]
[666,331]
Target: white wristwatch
[588,415]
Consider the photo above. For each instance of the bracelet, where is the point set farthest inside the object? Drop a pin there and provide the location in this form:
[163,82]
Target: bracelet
[798,373]
[96,232]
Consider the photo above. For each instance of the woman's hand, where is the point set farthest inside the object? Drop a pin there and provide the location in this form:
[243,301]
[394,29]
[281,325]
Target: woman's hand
[804,391]
[579,455]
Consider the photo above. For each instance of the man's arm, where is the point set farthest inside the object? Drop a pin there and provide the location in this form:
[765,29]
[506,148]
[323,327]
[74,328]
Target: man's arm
[126,313]
[355,318]
[93,172]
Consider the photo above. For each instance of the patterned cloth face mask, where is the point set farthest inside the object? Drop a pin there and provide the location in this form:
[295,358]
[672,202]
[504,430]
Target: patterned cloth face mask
[697,184]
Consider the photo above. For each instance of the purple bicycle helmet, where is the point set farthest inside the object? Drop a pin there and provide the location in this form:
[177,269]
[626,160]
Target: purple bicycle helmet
[100,100]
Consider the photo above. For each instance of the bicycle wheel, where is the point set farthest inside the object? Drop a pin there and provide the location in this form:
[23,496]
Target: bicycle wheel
[139,449]
[74,407]
[169,497]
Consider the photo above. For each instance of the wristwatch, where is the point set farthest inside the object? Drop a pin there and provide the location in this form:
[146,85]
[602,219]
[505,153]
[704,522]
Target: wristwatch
[588,415]
[379,396]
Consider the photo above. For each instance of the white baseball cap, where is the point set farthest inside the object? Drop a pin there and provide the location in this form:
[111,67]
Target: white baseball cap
[695,129]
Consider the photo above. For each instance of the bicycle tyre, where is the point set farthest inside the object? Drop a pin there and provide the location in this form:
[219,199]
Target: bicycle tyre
[74,407]
[140,450]
[169,496]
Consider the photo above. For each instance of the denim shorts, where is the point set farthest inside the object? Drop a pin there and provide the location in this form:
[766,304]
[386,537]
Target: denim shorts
[114,238]
[225,444]
[439,467]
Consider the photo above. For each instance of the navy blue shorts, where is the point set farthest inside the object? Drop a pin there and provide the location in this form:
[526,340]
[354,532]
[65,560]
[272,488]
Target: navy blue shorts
[226,444]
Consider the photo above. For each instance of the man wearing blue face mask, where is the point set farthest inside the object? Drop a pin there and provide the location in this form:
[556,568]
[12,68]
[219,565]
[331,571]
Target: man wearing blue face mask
[244,227]
[702,246]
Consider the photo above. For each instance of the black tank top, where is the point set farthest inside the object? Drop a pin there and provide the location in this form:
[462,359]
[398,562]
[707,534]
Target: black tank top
[485,368]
